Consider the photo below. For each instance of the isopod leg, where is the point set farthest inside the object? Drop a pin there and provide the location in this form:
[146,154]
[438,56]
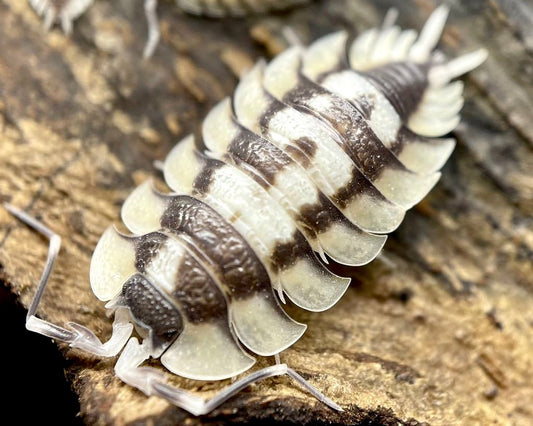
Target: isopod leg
[152,382]
[314,391]
[79,336]
[291,37]
[154,33]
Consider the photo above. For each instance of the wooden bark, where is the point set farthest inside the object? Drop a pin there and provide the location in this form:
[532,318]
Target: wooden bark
[438,330]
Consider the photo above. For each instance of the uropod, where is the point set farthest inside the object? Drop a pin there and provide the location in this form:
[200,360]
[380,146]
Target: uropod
[317,155]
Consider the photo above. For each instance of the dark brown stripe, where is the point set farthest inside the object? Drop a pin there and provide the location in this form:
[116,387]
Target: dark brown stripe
[298,155]
[259,153]
[239,287]
[199,296]
[268,160]
[146,248]
[286,255]
[321,215]
[205,177]
[306,145]
[152,310]
[274,106]
[360,142]
[197,293]
[305,148]
[359,183]
[402,83]
[236,263]
[243,166]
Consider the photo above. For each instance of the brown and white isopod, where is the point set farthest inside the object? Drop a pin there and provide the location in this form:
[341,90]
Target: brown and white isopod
[317,155]
[65,12]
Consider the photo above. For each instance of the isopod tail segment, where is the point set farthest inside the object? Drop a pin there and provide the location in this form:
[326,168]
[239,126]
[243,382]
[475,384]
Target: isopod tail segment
[436,113]
[133,354]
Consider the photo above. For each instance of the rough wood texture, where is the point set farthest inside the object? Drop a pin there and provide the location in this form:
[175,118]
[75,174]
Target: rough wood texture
[439,330]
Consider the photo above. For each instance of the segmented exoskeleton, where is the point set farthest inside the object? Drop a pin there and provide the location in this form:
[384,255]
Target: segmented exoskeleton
[66,11]
[317,155]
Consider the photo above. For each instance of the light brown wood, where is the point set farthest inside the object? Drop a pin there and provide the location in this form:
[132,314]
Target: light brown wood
[437,330]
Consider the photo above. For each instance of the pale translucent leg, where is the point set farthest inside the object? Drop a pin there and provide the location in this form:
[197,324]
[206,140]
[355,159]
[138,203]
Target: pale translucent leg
[158,165]
[147,379]
[291,37]
[152,381]
[390,17]
[154,33]
[77,336]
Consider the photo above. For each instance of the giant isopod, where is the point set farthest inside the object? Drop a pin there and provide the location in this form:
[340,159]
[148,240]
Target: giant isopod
[316,156]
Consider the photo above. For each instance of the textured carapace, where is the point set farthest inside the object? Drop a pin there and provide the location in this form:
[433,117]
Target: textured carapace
[316,155]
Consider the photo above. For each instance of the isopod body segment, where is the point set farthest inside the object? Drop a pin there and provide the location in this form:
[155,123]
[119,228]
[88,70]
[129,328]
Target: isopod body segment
[316,157]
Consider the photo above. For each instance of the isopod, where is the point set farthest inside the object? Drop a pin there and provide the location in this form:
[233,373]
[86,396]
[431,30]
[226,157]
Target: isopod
[316,156]
[66,11]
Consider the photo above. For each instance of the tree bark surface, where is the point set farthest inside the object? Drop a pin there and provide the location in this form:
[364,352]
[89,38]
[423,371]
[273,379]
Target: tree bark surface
[438,330]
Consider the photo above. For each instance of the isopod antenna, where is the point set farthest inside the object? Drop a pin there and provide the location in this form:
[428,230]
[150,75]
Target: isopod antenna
[78,336]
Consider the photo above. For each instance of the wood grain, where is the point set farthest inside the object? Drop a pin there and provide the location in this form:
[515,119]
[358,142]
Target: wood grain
[437,330]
